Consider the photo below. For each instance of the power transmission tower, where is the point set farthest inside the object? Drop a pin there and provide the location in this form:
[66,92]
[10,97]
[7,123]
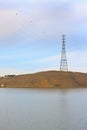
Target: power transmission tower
[63,63]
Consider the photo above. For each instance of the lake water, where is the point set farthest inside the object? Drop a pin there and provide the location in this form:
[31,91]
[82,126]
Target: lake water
[43,109]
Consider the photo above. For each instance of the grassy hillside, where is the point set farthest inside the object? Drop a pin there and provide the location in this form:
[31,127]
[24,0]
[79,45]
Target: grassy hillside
[48,79]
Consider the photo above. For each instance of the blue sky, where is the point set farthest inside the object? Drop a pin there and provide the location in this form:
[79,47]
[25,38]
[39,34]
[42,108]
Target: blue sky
[30,35]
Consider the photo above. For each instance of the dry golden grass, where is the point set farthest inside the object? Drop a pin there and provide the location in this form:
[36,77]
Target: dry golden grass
[48,79]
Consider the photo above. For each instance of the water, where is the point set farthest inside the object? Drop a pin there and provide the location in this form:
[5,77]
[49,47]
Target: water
[43,109]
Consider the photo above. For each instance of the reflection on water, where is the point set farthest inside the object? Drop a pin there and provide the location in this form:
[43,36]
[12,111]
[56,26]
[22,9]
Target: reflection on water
[43,109]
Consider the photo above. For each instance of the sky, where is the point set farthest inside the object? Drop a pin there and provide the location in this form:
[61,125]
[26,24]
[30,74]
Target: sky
[30,35]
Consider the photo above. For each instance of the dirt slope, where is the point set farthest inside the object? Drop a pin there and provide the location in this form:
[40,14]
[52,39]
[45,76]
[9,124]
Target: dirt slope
[48,79]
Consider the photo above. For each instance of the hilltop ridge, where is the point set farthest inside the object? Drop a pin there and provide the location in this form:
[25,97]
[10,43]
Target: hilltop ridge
[46,79]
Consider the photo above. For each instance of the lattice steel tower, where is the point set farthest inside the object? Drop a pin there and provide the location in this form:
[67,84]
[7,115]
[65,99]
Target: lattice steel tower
[63,63]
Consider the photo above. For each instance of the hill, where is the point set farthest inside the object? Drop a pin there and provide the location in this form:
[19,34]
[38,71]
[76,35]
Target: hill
[48,79]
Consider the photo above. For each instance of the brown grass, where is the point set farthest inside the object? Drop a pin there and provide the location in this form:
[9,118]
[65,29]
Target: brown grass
[48,79]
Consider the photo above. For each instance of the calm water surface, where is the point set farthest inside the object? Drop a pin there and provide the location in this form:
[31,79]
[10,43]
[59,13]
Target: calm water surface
[43,109]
